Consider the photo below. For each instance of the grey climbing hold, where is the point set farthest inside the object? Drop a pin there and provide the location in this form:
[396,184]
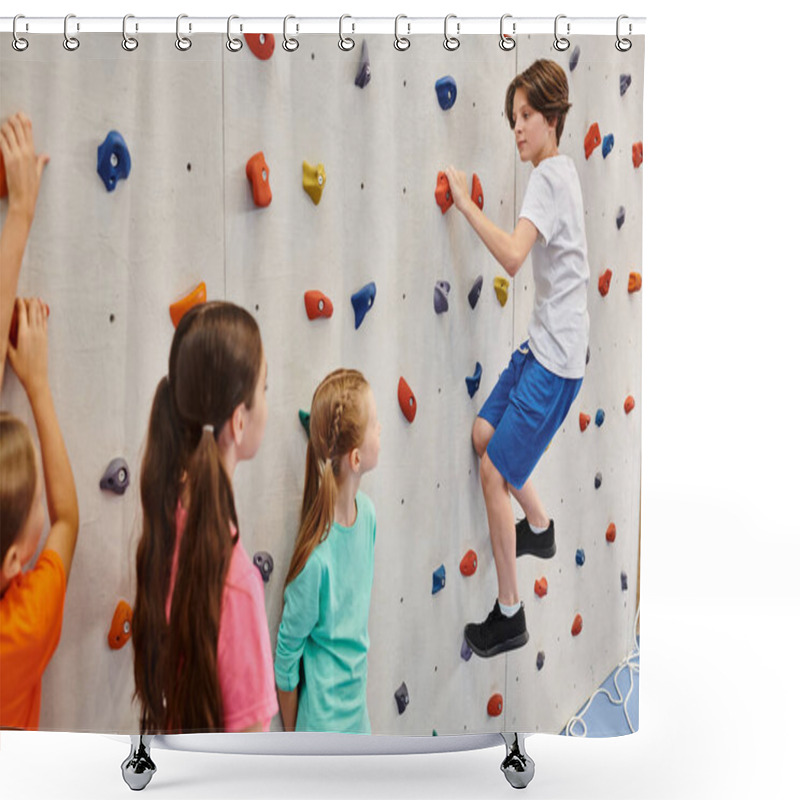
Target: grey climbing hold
[573,59]
[466,651]
[116,477]
[401,698]
[598,480]
[580,557]
[363,301]
[113,160]
[475,291]
[446,92]
[364,71]
[439,579]
[624,83]
[474,382]
[540,660]
[265,564]
[440,294]
[624,581]
[620,217]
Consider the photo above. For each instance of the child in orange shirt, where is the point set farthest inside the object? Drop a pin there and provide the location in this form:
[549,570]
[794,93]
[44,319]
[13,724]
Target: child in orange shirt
[32,604]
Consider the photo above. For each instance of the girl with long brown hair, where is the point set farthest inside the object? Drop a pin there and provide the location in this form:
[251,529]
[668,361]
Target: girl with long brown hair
[202,657]
[329,583]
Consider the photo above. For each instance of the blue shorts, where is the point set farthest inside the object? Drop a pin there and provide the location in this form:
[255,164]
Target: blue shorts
[526,408]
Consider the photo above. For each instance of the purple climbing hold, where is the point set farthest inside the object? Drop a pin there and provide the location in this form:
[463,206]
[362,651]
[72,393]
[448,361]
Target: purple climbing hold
[475,291]
[573,59]
[116,477]
[364,71]
[624,581]
[440,293]
[401,698]
[598,480]
[363,301]
[620,217]
[624,83]
[540,660]
[466,651]
[608,144]
[265,564]
[474,382]
[113,160]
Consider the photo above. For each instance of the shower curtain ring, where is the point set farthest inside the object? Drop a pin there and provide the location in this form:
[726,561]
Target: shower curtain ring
[346,42]
[18,43]
[561,43]
[507,42]
[623,45]
[233,44]
[183,43]
[70,42]
[451,42]
[290,44]
[401,42]
[129,43]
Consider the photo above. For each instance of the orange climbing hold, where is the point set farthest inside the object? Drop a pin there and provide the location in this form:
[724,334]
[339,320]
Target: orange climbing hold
[258,175]
[630,404]
[584,421]
[444,199]
[477,191]
[318,305]
[120,630]
[540,587]
[604,284]
[577,625]
[591,140]
[634,282]
[408,403]
[469,564]
[262,44]
[611,533]
[638,154]
[194,298]
[495,706]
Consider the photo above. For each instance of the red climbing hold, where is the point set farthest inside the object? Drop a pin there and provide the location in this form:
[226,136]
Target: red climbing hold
[262,44]
[318,305]
[540,587]
[591,140]
[604,284]
[638,154]
[584,420]
[611,533]
[495,706]
[634,282]
[630,404]
[258,175]
[477,191]
[577,625]
[469,564]
[408,403]
[180,307]
[444,198]
[120,630]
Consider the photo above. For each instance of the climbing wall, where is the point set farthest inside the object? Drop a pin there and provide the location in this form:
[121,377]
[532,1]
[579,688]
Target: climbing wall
[110,264]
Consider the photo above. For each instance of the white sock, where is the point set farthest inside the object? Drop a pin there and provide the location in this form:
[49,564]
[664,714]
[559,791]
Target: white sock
[509,611]
[538,530]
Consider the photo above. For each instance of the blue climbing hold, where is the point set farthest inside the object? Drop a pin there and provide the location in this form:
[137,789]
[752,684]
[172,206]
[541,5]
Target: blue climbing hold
[580,558]
[364,71]
[440,293]
[363,301]
[540,660]
[446,92]
[474,382]
[620,217]
[599,417]
[466,651]
[608,144]
[624,83]
[475,291]
[113,160]
[438,579]
[573,59]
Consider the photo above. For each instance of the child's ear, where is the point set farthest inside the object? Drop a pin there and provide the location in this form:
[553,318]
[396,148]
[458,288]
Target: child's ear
[237,423]
[355,459]
[12,565]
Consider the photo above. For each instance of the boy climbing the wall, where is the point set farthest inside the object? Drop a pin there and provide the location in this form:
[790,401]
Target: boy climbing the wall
[533,395]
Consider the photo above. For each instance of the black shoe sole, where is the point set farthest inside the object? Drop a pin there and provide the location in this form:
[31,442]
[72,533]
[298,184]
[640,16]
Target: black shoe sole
[501,647]
[544,553]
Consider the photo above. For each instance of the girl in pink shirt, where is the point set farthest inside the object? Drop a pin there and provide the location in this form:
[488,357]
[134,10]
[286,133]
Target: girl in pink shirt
[202,658]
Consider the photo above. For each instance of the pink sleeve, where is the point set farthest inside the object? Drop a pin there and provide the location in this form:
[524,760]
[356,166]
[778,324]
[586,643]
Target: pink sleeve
[244,656]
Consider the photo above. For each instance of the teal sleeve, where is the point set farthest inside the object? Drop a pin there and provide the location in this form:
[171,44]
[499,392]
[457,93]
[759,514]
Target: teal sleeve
[300,615]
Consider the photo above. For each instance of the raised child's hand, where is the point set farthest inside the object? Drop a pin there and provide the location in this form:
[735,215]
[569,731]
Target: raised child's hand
[23,167]
[29,356]
[458,187]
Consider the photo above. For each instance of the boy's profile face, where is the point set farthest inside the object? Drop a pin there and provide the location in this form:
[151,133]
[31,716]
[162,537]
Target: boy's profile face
[534,135]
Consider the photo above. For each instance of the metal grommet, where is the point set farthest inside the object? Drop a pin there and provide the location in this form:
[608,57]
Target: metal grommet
[561,43]
[401,42]
[507,42]
[233,44]
[18,43]
[345,42]
[129,43]
[623,45]
[451,42]
[70,42]
[290,44]
[183,43]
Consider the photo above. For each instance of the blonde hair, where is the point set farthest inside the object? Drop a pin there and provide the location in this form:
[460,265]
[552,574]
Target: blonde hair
[17,478]
[337,425]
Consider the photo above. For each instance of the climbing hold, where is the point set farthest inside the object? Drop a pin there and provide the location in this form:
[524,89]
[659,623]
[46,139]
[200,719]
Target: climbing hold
[439,579]
[624,83]
[265,564]
[258,174]
[442,192]
[477,191]
[469,564]
[588,353]
[363,301]
[408,403]
[495,705]
[540,587]
[605,282]
[591,140]
[440,293]
[608,144]
[120,630]
[194,298]
[3,183]
[466,651]
[446,92]
[262,45]
[634,282]
[638,154]
[630,404]
[611,533]
[501,289]
[624,581]
[620,217]
[14,326]
[318,305]
[475,291]
[573,59]
[116,477]
[434,732]
[577,625]
[364,70]
[113,160]
[473,383]
[580,558]
[598,480]
[314,181]
[599,417]
[305,421]
[584,421]
[540,660]
[401,697]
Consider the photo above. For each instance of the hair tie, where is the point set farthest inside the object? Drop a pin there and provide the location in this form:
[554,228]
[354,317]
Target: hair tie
[208,428]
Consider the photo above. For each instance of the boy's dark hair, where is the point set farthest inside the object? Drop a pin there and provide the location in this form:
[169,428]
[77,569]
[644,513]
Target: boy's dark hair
[545,84]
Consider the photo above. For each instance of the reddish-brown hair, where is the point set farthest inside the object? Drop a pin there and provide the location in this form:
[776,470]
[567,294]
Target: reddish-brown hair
[17,479]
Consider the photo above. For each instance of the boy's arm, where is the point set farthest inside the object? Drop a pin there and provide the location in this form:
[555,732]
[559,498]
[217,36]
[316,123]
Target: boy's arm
[23,174]
[288,704]
[510,249]
[29,361]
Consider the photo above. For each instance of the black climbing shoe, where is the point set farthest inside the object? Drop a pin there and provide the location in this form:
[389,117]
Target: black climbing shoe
[498,633]
[529,543]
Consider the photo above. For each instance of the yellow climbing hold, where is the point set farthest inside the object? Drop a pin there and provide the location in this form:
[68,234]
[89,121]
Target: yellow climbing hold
[501,290]
[314,181]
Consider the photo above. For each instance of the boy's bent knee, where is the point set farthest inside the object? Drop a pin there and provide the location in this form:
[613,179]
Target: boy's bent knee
[491,477]
[481,434]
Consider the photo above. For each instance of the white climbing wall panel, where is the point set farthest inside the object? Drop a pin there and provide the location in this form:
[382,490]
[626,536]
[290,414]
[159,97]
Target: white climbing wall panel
[109,265]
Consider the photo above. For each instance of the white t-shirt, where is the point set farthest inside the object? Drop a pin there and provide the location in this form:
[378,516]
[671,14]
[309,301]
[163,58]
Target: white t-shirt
[559,326]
